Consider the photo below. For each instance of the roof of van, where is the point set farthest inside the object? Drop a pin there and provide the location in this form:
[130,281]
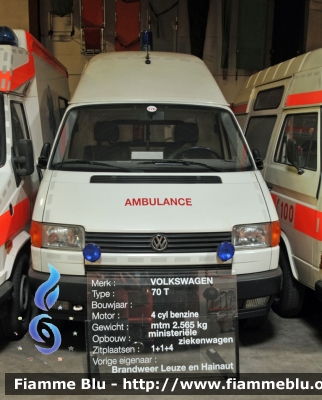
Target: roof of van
[125,77]
[304,62]
[17,62]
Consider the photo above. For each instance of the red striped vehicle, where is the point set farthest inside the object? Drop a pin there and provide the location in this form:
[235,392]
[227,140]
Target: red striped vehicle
[33,96]
[279,109]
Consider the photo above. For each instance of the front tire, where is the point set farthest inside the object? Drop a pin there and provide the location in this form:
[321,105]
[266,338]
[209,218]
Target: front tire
[16,320]
[289,301]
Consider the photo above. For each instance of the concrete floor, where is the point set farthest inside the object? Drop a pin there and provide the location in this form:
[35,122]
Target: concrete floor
[282,345]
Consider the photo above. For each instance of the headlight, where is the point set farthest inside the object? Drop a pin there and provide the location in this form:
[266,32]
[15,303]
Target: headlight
[62,237]
[256,235]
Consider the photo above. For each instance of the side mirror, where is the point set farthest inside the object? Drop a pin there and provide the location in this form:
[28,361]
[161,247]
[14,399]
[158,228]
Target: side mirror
[44,156]
[24,163]
[293,155]
[258,159]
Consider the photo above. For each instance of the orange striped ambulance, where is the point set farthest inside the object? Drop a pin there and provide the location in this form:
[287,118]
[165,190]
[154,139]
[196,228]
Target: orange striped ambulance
[33,95]
[279,109]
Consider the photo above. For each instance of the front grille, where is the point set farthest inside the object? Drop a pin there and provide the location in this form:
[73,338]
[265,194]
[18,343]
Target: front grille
[140,242]
[156,269]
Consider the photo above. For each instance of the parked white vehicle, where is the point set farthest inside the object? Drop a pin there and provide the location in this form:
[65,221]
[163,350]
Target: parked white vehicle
[151,166]
[279,109]
[33,97]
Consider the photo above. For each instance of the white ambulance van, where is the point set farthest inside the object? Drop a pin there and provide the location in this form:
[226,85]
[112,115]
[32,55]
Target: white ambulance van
[33,97]
[279,109]
[151,170]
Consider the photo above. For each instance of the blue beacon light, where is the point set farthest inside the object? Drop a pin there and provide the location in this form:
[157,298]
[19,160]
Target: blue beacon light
[225,251]
[146,40]
[7,36]
[91,252]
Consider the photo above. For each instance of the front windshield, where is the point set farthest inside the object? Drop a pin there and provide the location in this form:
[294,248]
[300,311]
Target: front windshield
[150,138]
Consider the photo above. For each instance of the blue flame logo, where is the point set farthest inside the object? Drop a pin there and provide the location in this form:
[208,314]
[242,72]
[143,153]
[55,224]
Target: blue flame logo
[43,289]
[45,299]
[33,330]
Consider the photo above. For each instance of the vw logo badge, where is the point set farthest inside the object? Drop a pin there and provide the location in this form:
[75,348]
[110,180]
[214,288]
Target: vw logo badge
[159,242]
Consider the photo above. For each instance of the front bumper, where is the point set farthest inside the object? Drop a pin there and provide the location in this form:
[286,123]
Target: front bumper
[249,286]
[252,286]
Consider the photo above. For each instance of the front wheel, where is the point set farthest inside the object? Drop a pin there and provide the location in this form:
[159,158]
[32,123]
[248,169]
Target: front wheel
[15,322]
[290,300]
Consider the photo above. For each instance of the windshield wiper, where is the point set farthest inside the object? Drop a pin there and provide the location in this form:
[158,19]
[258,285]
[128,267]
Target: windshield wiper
[181,162]
[86,162]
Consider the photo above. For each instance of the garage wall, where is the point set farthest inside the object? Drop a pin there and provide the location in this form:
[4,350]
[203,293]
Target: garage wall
[67,49]
[62,45]
[314,25]
[212,50]
[14,13]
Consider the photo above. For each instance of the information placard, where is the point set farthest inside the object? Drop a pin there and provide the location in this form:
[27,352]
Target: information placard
[156,322]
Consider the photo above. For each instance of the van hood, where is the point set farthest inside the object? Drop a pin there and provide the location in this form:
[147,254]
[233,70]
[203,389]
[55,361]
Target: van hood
[153,206]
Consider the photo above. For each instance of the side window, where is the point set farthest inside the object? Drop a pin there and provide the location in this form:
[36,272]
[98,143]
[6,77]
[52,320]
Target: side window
[18,123]
[303,129]
[269,98]
[63,103]
[259,131]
